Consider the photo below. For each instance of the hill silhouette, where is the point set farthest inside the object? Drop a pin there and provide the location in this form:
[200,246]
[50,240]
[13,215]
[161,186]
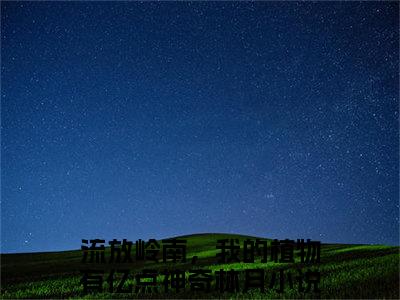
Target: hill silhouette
[347,271]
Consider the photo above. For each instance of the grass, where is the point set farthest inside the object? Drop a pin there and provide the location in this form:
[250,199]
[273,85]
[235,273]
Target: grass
[347,271]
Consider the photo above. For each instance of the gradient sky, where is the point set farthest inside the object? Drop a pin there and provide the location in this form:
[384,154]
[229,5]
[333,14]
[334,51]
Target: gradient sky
[149,120]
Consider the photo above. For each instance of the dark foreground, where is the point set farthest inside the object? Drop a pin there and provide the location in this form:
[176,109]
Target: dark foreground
[347,271]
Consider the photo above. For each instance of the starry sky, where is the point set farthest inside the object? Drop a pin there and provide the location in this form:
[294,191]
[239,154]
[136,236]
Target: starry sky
[151,120]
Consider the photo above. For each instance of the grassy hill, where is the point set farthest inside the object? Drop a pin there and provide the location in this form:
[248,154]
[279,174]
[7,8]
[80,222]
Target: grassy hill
[347,271]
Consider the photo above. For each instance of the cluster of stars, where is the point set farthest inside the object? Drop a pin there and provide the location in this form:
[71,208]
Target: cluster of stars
[129,119]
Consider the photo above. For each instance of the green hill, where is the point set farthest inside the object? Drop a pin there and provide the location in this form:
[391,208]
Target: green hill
[347,271]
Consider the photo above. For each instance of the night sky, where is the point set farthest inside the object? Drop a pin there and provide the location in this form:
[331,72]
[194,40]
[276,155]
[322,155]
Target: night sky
[151,120]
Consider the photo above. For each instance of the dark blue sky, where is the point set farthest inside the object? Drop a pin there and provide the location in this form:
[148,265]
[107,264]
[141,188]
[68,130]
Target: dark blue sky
[148,120]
